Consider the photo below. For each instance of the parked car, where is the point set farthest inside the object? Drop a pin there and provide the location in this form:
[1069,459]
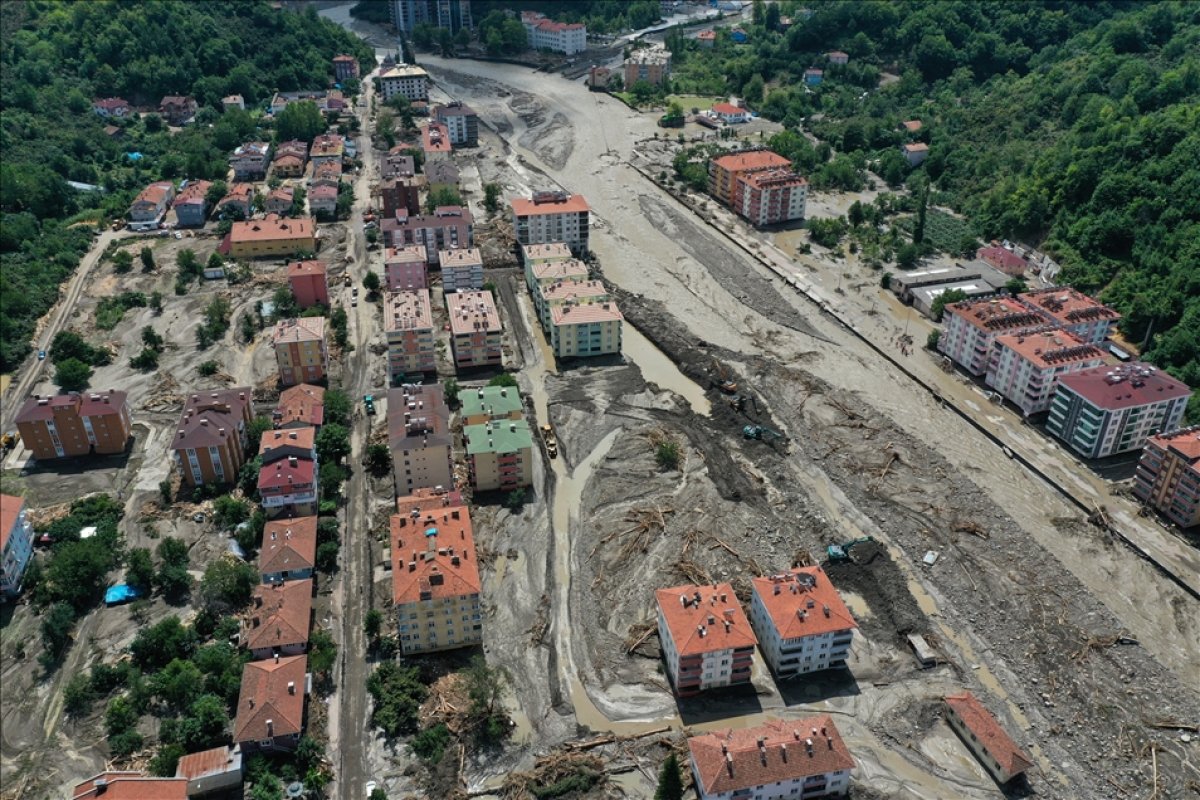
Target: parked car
[41,355]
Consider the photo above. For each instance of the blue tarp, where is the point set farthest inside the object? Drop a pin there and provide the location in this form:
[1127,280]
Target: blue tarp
[122,593]
[134,156]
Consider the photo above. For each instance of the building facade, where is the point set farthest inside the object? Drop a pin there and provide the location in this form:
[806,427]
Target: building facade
[462,269]
[301,350]
[420,439]
[344,67]
[1103,411]
[405,270]
[1073,311]
[309,283]
[566,292]
[552,217]
[450,14]
[970,328]
[407,80]
[985,738]
[249,161]
[499,455]
[541,274]
[461,121]
[16,543]
[1168,476]
[408,325]
[581,330]
[75,424]
[707,642]
[289,486]
[300,406]
[1025,368]
[270,711]
[447,228]
[210,442]
[475,330]
[723,172]
[401,194]
[801,621]
[770,197]
[435,142]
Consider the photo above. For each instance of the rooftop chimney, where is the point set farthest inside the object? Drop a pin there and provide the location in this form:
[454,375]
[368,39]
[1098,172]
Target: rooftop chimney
[291,687]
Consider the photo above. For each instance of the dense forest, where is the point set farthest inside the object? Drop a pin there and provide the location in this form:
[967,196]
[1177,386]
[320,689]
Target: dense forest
[57,57]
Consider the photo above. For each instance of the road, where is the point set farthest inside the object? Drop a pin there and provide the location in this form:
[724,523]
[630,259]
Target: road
[349,715]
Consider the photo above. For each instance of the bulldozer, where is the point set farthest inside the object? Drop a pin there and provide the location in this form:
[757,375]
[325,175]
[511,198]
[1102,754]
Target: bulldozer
[841,552]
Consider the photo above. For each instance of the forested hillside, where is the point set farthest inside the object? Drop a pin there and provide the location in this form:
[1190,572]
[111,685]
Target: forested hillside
[56,57]
[1073,125]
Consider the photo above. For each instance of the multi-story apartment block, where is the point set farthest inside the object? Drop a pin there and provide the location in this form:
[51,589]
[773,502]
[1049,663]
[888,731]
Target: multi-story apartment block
[1168,476]
[408,325]
[475,330]
[649,64]
[344,67]
[706,639]
[435,142]
[770,196]
[407,80]
[552,217]
[490,404]
[270,711]
[449,14]
[279,619]
[289,486]
[499,455]
[401,194]
[397,164]
[1073,311]
[300,350]
[462,268]
[778,760]
[249,161]
[568,38]
[447,228]
[435,580]
[16,543]
[210,442]
[461,121]
[191,204]
[801,621]
[1025,368]
[328,148]
[1108,410]
[984,737]
[300,406]
[419,438]
[587,329]
[723,172]
[289,549]
[568,292]
[544,253]
[74,424]
[404,269]
[309,283]
[150,206]
[270,236]
[970,328]
[540,274]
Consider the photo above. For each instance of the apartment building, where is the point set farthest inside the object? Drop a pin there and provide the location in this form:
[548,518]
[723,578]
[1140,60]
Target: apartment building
[279,201]
[301,350]
[475,330]
[435,142]
[707,642]
[405,269]
[401,194]
[985,738]
[270,710]
[278,620]
[408,325]
[344,67]
[770,197]
[724,172]
[289,486]
[449,14]
[397,164]
[461,122]
[490,404]
[583,330]
[649,64]
[309,282]
[559,37]
[249,161]
[970,329]
[462,268]
[552,217]
[544,253]
[778,760]
[271,236]
[801,621]
[191,204]
[447,228]
[75,424]
[328,148]
[1025,368]
[1107,410]
[1168,476]
[566,292]
[238,202]
[300,406]
[423,500]
[406,80]
[419,438]
[289,549]
[16,543]
[210,442]
[499,455]
[1073,311]
[435,580]
[150,206]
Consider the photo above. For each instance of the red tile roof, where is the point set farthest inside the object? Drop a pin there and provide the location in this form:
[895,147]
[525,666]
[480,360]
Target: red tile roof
[707,35]
[1185,443]
[206,414]
[301,403]
[433,555]
[89,404]
[979,721]
[110,103]
[803,602]
[773,178]
[435,137]
[130,786]
[296,269]
[996,314]
[753,160]
[572,204]
[714,622]
[266,697]
[585,313]
[1125,385]
[428,500]
[1050,348]
[912,125]
[299,329]
[728,109]
[10,509]
[779,750]
[284,474]
[288,545]
[280,615]
[208,762]
[194,192]
[1002,259]
[155,193]
[293,439]
[271,228]
[1068,306]
[916,147]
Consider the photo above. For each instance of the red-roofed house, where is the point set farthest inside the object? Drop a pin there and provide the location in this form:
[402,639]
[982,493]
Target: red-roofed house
[209,445]
[16,543]
[191,204]
[289,486]
[215,770]
[770,196]
[813,76]
[552,217]
[178,110]
[150,206]
[435,579]
[984,737]
[779,759]
[730,114]
[724,171]
[1002,259]
[344,67]
[270,711]
[279,619]
[915,153]
[435,141]
[1168,476]
[1103,411]
[130,785]
[279,201]
[289,549]
[112,107]
[300,406]
[1073,311]
[838,57]
[1026,367]
[240,196]
[706,38]
[801,621]
[706,639]
[308,281]
[322,200]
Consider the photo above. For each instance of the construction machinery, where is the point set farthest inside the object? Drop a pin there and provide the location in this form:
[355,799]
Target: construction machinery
[369,404]
[722,379]
[841,552]
[760,432]
[550,440]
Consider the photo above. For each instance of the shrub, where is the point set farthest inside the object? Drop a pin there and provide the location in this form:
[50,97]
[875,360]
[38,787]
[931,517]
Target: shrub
[667,454]
[430,744]
[207,368]
[398,694]
[931,341]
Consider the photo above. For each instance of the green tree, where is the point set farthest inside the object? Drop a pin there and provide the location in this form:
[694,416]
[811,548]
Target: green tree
[56,630]
[172,578]
[931,341]
[442,196]
[373,623]
[166,760]
[1016,286]
[670,782]
[139,569]
[503,379]
[491,198]
[450,390]
[333,444]
[178,684]
[371,282]
[302,121]
[79,696]
[227,584]
[944,299]
[147,256]
[667,454]
[68,344]
[378,460]
[122,262]
[72,375]
[155,647]
[327,554]
[322,652]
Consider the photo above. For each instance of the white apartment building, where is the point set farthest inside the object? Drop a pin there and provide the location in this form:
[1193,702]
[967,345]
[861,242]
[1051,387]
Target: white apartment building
[408,324]
[566,292]
[801,621]
[546,34]
[1025,368]
[541,274]
[1073,311]
[462,268]
[579,330]
[970,328]
[706,639]
[1103,411]
[552,217]
[406,80]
